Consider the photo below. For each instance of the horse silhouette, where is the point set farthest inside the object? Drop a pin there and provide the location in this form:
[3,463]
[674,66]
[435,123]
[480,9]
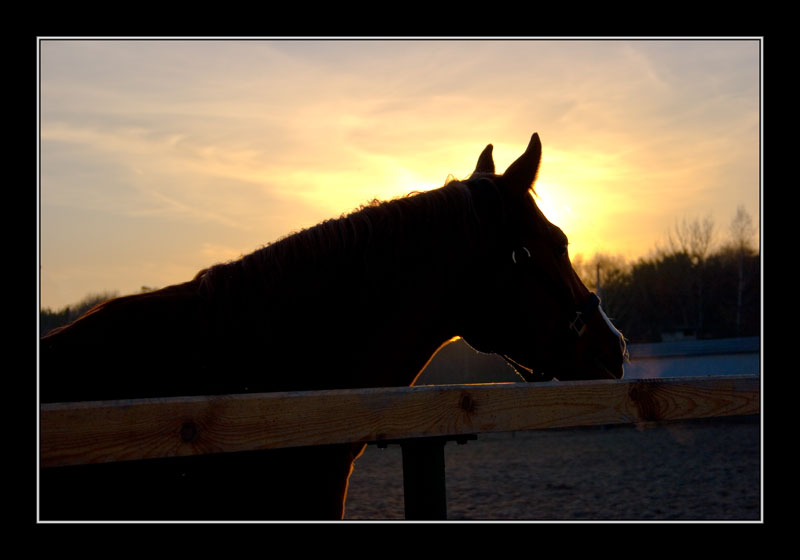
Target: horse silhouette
[364,300]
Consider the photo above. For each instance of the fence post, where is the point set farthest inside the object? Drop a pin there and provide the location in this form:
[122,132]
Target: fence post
[424,489]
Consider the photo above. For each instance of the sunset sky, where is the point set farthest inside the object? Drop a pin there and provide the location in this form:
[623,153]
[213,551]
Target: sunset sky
[161,157]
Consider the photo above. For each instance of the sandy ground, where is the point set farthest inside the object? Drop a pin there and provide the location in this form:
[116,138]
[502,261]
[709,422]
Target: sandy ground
[693,471]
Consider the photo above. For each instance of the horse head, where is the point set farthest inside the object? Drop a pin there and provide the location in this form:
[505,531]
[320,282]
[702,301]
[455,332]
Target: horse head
[535,311]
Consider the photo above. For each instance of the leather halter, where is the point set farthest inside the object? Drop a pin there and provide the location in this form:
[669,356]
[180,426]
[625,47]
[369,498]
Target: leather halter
[576,326]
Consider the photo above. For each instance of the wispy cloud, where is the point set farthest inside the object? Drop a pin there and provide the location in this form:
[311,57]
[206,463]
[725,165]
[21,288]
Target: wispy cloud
[254,139]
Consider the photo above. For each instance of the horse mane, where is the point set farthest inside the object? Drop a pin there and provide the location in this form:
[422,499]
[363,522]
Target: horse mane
[358,247]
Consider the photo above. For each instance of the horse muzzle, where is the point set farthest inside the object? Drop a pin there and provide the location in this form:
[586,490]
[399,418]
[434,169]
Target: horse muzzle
[592,348]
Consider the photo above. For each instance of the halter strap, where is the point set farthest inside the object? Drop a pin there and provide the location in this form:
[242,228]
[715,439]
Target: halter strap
[576,326]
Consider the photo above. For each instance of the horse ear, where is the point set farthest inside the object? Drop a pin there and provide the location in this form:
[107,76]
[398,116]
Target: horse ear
[521,174]
[485,161]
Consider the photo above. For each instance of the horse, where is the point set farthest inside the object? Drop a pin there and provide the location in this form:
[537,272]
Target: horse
[363,300]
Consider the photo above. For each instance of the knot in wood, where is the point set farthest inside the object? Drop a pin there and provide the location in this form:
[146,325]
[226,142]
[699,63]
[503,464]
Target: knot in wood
[188,432]
[643,395]
[467,403]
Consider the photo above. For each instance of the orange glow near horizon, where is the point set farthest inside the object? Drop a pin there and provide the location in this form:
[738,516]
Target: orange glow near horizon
[575,196]
[159,158]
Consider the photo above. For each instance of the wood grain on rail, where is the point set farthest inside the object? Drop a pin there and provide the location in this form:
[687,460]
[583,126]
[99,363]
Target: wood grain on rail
[97,432]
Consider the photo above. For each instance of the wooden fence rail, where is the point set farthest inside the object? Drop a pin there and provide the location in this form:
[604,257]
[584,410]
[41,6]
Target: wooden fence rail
[97,432]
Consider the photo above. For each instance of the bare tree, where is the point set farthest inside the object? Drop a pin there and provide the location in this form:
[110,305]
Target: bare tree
[695,238]
[742,232]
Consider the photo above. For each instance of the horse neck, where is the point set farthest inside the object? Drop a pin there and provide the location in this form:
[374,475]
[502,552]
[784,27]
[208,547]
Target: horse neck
[382,321]
[397,343]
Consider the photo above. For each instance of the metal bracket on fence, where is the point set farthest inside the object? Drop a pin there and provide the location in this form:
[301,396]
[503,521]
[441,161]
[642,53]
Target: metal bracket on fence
[424,487]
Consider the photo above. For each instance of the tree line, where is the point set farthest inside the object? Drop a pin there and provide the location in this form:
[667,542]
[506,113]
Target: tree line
[691,286]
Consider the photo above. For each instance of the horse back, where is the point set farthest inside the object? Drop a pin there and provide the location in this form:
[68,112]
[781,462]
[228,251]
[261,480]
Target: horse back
[137,346]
